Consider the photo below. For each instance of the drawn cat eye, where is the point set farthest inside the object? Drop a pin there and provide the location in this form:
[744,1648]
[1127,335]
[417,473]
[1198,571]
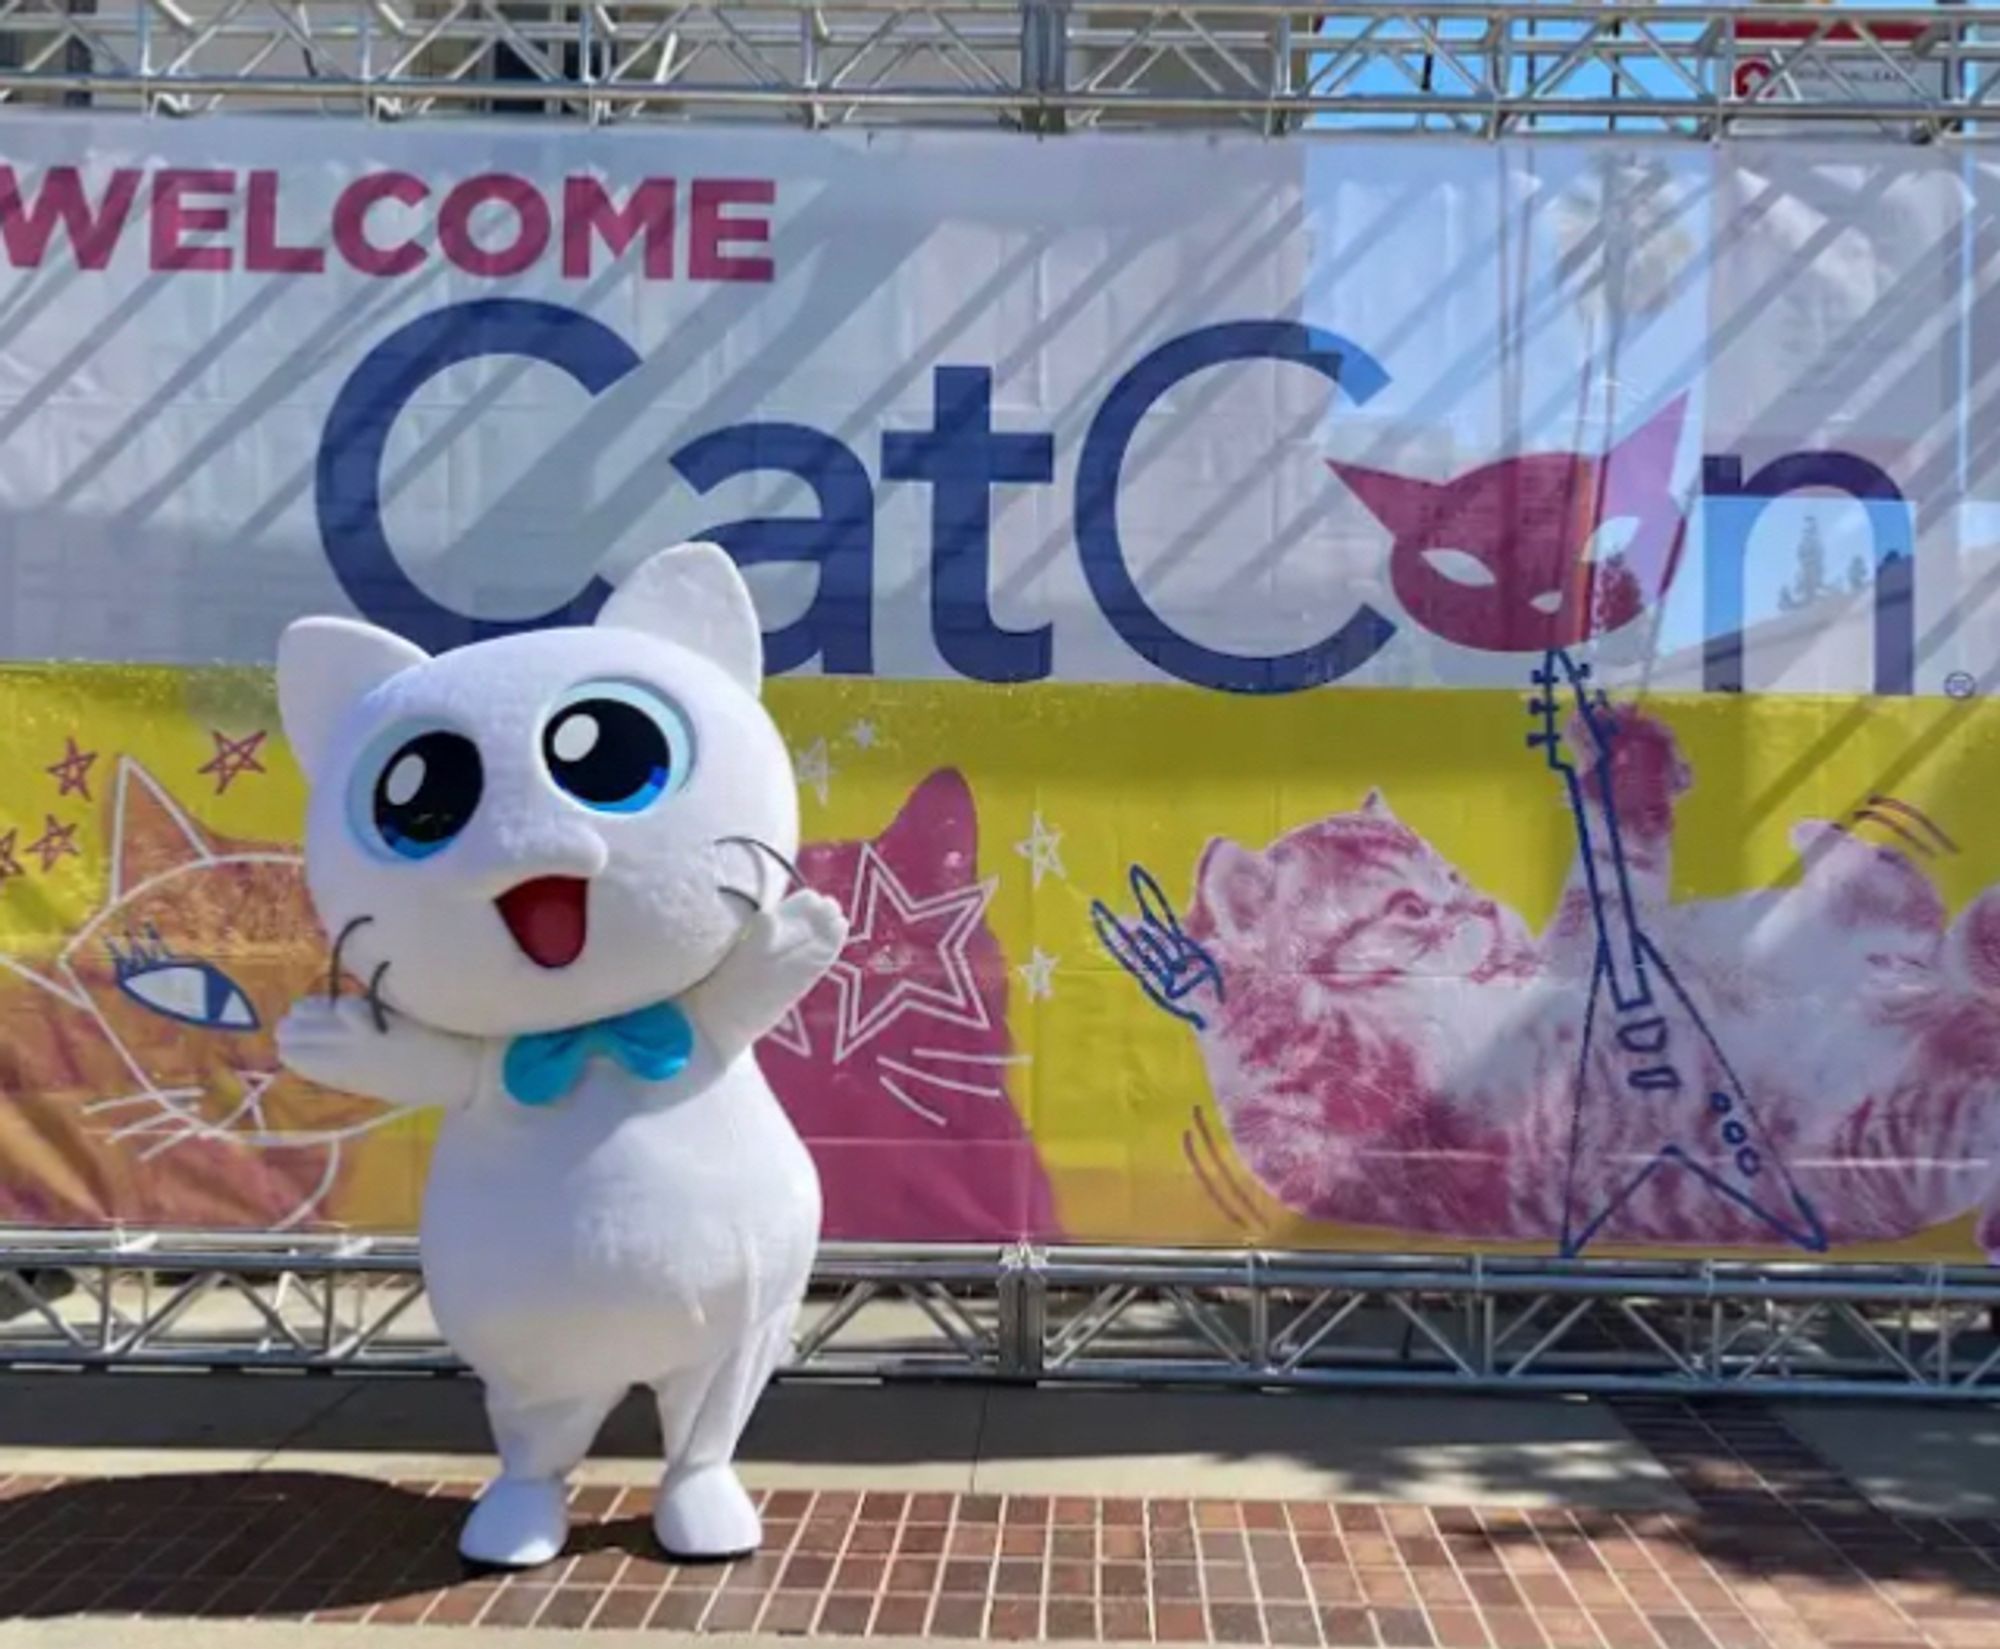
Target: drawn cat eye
[418,798]
[1460,567]
[1405,903]
[189,992]
[1612,538]
[617,747]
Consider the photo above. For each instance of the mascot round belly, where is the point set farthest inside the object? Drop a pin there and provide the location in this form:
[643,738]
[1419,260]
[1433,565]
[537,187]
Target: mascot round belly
[557,862]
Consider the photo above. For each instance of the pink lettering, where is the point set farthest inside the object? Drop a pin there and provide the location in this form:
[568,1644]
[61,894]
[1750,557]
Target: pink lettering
[710,231]
[588,212]
[26,230]
[350,223]
[531,214]
[174,219]
[263,253]
[723,225]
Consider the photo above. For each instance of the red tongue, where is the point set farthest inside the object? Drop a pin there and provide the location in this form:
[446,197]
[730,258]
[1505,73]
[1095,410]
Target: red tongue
[547,918]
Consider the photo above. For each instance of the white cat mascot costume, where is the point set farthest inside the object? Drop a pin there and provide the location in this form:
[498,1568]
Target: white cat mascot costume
[554,858]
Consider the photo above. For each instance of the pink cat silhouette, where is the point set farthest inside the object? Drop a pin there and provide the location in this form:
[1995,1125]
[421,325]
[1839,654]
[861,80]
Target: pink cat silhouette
[1536,551]
[1390,1047]
[895,1068]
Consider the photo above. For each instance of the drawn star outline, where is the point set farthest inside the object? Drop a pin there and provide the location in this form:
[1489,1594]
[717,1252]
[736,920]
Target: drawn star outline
[1042,848]
[874,984]
[233,758]
[1037,975]
[814,768]
[72,773]
[57,841]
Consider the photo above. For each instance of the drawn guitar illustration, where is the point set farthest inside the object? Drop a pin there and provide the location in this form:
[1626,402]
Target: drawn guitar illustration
[1659,1051]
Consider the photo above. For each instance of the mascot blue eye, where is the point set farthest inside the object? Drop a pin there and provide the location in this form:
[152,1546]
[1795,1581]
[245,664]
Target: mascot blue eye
[616,748]
[425,793]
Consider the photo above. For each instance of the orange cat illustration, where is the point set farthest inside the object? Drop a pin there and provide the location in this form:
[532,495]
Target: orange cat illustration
[139,1083]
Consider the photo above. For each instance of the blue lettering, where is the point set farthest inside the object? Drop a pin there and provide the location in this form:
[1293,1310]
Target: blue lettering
[1097,480]
[349,481]
[1731,508]
[964,458]
[838,628]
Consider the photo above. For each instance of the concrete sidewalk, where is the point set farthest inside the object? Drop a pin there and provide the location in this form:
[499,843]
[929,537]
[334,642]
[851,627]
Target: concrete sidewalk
[1525,1451]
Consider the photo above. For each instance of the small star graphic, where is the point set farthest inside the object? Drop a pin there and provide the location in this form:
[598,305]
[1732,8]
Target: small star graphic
[233,758]
[816,770]
[1042,851]
[864,735]
[10,867]
[72,773]
[1038,975]
[55,842]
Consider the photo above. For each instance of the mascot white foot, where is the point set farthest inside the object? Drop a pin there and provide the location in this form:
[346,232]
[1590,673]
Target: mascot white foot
[557,862]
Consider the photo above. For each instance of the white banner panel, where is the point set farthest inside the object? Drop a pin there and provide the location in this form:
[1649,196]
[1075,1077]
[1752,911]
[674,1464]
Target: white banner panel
[1254,416]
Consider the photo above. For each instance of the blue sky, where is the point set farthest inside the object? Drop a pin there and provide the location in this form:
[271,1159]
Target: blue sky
[1590,80]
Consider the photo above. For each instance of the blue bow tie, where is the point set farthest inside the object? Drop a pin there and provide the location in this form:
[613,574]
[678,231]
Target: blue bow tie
[652,1043]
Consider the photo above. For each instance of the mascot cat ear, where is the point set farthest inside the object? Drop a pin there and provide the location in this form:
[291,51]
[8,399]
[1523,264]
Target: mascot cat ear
[324,665]
[693,595]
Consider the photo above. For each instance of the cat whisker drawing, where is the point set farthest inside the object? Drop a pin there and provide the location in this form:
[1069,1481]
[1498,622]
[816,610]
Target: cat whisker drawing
[243,1124]
[376,1010]
[1211,1170]
[172,1142]
[166,1120]
[1911,826]
[150,1098]
[954,1057]
[372,991]
[977,1090]
[761,851]
[334,973]
[896,1091]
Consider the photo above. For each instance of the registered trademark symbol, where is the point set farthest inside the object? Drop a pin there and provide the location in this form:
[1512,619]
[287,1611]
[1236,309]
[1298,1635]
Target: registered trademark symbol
[1960,685]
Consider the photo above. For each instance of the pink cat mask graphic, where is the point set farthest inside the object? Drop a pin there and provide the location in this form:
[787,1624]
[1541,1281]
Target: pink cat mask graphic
[1536,551]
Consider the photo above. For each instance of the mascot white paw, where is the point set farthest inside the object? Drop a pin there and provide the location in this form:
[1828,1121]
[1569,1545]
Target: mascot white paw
[558,863]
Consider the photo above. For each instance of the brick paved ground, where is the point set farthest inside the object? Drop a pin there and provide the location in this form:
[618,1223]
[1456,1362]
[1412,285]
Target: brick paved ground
[1780,1551]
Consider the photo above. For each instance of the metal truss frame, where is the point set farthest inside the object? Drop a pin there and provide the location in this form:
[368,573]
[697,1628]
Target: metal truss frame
[1469,67]
[1082,1315]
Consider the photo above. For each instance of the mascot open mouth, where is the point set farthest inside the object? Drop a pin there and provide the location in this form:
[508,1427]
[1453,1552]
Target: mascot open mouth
[548,917]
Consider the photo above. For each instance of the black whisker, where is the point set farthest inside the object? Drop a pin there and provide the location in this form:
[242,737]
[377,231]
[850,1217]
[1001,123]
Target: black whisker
[340,944]
[375,999]
[791,869]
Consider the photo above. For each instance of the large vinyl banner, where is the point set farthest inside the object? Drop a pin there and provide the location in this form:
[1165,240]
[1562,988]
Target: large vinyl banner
[1358,695]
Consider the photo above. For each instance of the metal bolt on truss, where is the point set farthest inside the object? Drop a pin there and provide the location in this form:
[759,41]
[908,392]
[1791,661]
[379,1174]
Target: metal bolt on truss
[1688,71]
[1077,1315]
